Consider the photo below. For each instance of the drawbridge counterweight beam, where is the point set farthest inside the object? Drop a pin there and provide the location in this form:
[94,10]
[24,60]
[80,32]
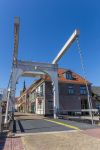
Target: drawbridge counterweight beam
[66,46]
[16,38]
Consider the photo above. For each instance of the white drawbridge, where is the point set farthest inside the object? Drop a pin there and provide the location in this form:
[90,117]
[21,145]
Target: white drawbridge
[29,68]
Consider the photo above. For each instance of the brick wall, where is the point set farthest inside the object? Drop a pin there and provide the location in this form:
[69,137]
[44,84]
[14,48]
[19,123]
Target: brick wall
[66,101]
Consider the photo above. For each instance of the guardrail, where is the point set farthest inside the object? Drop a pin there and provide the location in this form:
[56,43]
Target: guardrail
[80,115]
[77,111]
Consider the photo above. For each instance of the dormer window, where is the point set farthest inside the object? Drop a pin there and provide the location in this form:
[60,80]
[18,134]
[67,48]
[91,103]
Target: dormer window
[58,75]
[68,75]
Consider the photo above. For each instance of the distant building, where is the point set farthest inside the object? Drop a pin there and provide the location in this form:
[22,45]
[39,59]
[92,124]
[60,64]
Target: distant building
[38,98]
[3,94]
[3,99]
[16,99]
[96,95]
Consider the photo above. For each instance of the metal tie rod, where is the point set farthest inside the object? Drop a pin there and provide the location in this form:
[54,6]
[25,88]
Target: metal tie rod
[66,46]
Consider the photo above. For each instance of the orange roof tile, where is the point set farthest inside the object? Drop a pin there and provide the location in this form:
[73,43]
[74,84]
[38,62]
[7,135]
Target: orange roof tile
[77,79]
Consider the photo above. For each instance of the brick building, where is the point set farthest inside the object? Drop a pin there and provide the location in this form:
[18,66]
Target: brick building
[38,98]
[96,96]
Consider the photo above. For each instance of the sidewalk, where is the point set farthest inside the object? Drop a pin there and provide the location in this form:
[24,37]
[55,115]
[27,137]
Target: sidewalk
[93,132]
[84,137]
[61,141]
[11,143]
[23,116]
[73,140]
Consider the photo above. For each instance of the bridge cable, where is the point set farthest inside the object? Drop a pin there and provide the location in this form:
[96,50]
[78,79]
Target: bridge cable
[85,79]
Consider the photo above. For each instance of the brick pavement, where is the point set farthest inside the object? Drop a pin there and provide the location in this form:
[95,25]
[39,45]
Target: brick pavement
[88,139]
[93,132]
[61,141]
[11,143]
[83,140]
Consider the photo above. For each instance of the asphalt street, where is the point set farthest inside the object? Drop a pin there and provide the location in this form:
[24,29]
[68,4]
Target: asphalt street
[36,125]
[48,125]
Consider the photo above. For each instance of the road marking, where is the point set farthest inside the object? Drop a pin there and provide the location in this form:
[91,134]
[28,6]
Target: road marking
[38,133]
[63,124]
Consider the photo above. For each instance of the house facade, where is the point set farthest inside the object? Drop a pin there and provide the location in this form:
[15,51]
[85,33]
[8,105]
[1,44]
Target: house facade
[96,96]
[38,98]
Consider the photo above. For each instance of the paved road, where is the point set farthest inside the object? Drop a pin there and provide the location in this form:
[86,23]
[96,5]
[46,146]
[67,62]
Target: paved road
[80,125]
[35,124]
[24,125]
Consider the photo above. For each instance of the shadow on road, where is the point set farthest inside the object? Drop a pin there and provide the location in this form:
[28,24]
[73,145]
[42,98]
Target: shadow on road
[20,126]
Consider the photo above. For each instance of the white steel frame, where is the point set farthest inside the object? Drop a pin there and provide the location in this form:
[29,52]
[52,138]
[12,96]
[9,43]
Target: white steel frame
[28,68]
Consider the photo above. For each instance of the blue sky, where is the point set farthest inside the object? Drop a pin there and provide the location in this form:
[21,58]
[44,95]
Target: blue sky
[45,25]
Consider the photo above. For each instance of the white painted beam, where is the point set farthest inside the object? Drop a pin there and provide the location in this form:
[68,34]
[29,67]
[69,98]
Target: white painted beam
[30,66]
[16,38]
[33,74]
[66,46]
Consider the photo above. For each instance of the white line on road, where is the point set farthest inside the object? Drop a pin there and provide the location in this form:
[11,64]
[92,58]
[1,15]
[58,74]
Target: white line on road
[53,132]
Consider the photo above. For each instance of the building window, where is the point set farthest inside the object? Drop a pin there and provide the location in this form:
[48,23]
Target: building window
[33,96]
[71,90]
[1,96]
[84,104]
[50,104]
[68,75]
[83,90]
[97,106]
[41,89]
